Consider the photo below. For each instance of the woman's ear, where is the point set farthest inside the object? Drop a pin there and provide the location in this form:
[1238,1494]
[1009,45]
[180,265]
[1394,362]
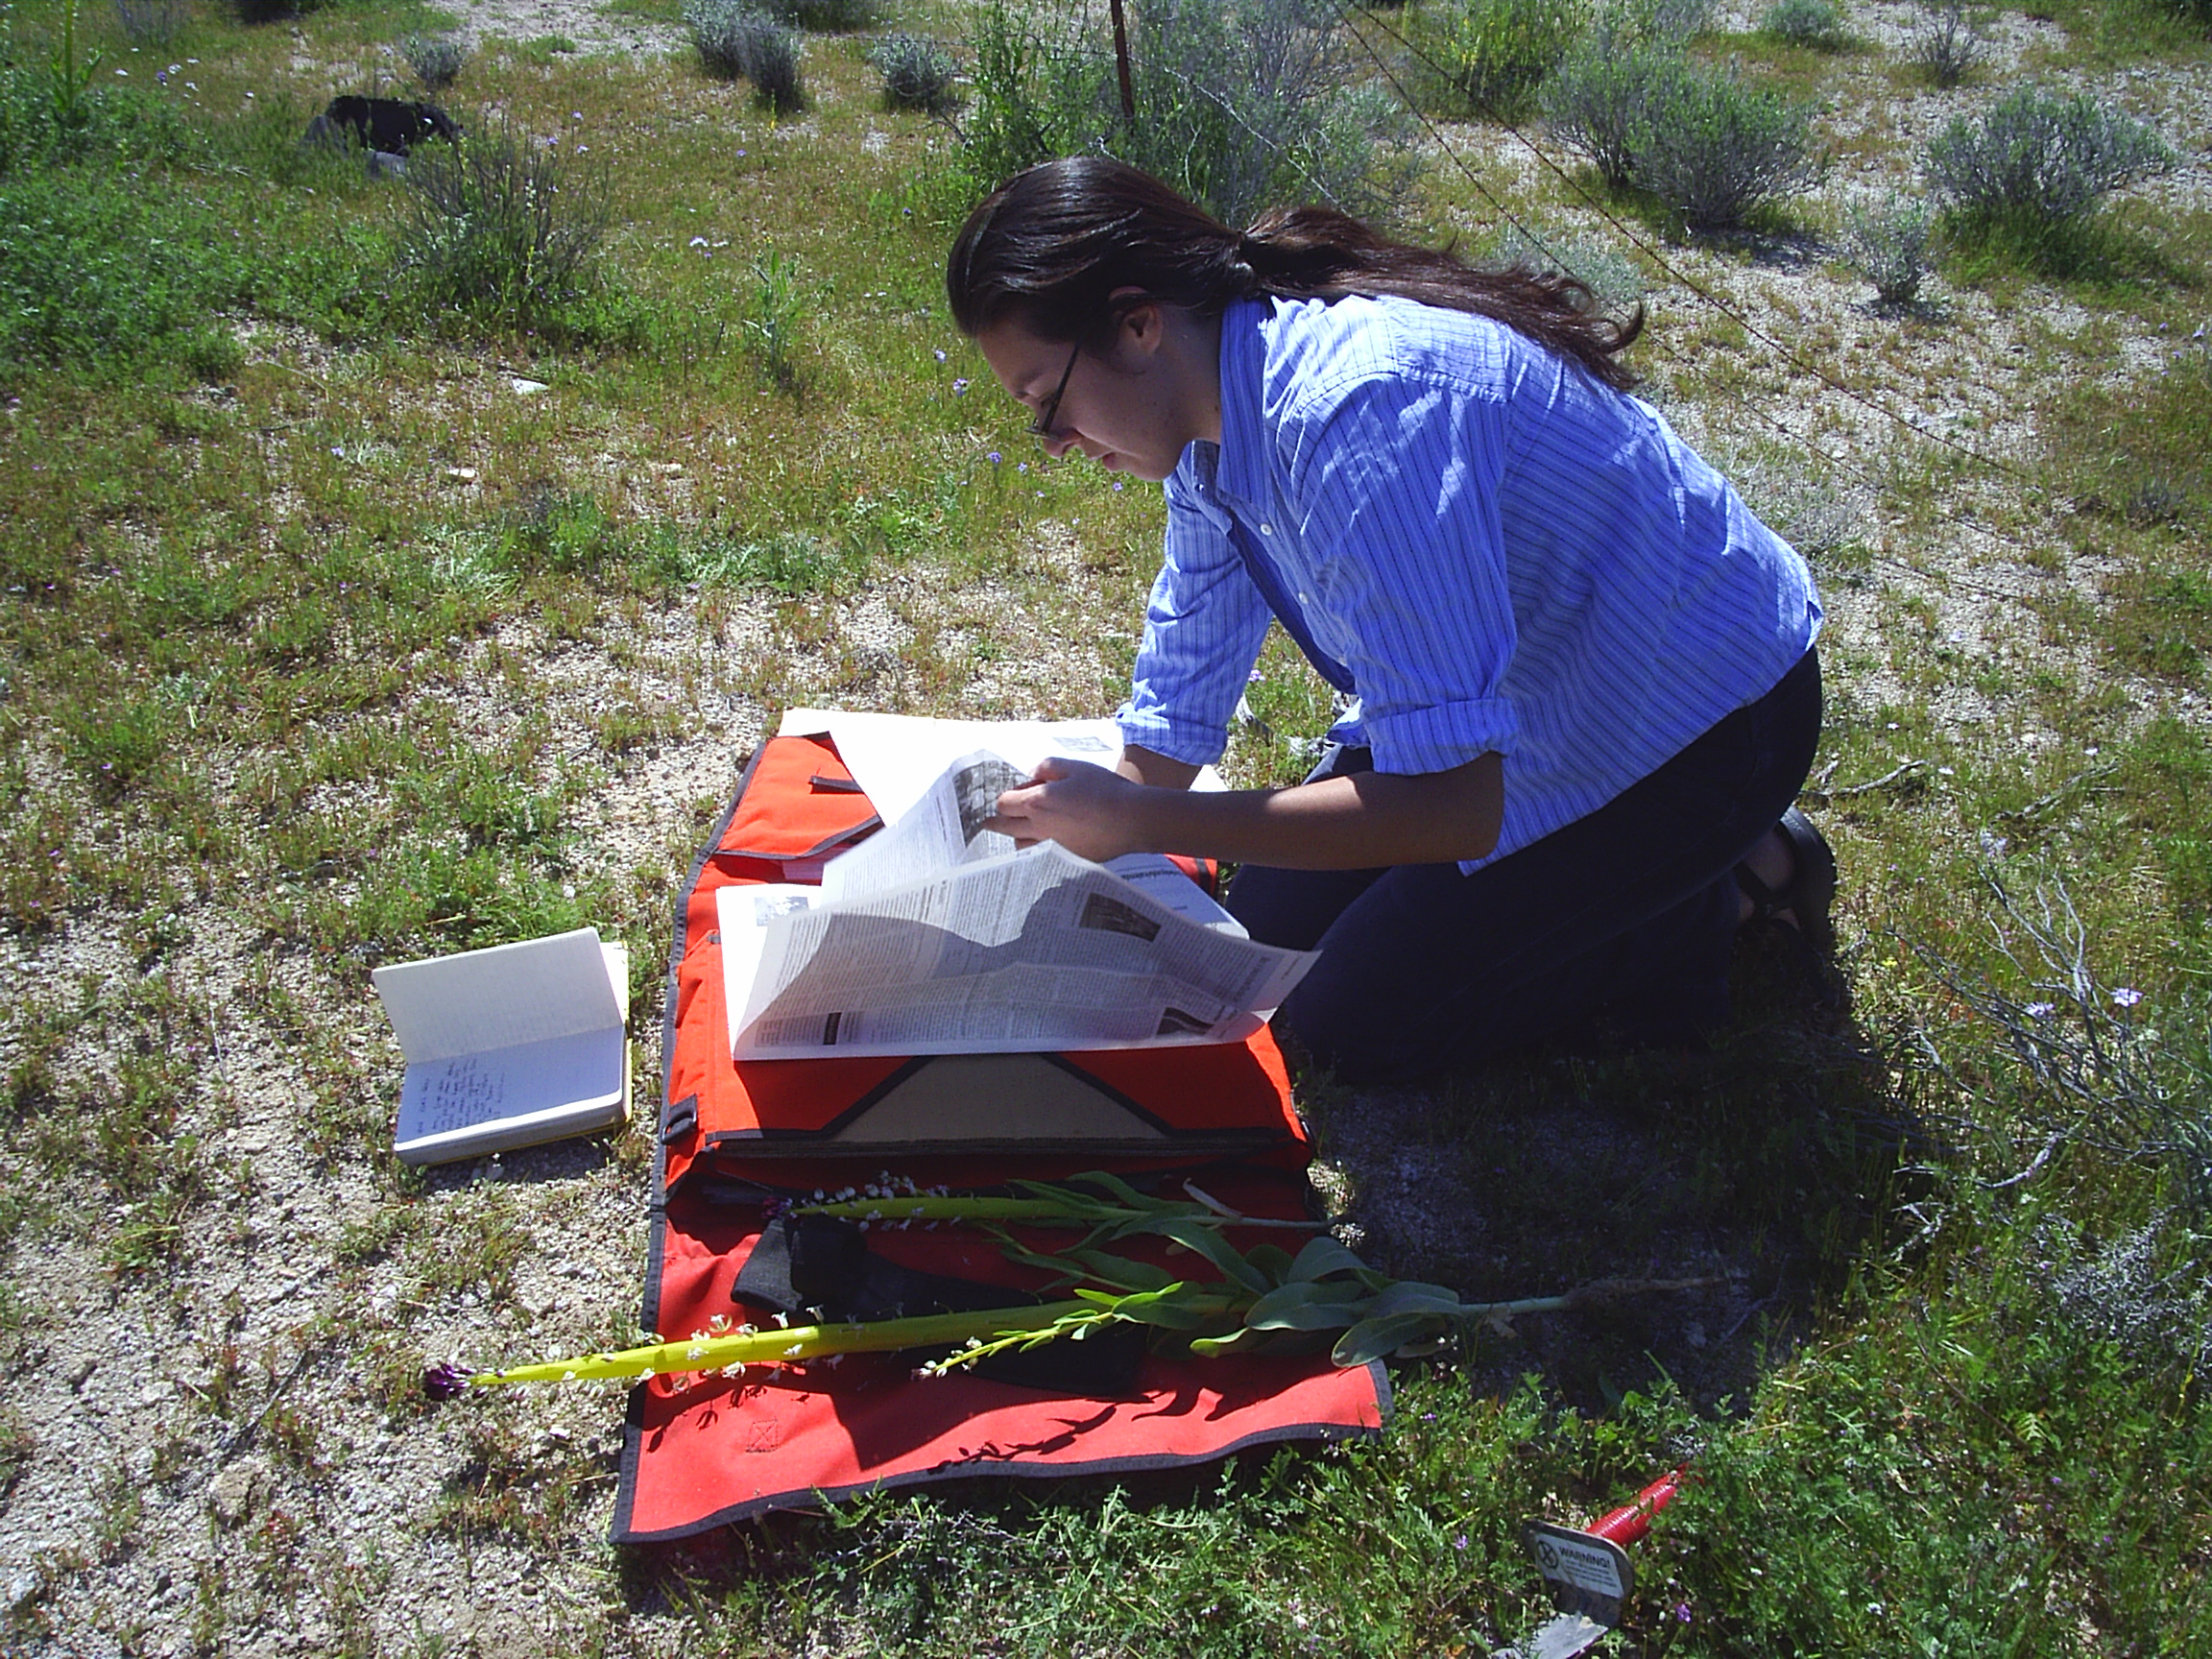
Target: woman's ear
[1144,325]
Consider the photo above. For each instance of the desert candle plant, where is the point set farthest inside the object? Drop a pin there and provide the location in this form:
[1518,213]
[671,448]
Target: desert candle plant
[1265,1297]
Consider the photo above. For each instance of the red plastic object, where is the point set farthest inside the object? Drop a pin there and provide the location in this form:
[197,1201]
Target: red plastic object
[1632,1520]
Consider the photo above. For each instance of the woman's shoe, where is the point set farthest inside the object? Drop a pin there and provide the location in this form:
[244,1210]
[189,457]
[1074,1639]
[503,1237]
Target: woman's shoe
[1811,887]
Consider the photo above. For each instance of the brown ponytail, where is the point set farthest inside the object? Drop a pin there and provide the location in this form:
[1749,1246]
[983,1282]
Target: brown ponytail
[1054,242]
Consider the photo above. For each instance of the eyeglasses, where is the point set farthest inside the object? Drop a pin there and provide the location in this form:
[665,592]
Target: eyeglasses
[1047,424]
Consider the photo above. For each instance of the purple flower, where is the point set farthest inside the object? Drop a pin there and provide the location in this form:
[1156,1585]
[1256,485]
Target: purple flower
[2127,997]
[1682,1612]
[940,353]
[958,387]
[1020,466]
[994,457]
[444,1380]
[1461,1542]
[2040,1010]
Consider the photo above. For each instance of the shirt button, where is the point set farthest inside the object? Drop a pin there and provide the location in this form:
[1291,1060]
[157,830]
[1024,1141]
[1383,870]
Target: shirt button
[1266,529]
[1301,598]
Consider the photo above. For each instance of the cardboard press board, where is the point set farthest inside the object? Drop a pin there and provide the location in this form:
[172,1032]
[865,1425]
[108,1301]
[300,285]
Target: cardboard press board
[508,1045]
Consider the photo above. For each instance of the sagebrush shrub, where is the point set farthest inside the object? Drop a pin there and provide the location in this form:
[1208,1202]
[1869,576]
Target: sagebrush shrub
[435,58]
[152,23]
[1245,104]
[1242,105]
[1714,148]
[1888,243]
[2041,158]
[918,73]
[824,16]
[501,230]
[738,41]
[1947,43]
[1652,23]
[718,34]
[1814,23]
[1491,55]
[771,53]
[1612,277]
[1598,101]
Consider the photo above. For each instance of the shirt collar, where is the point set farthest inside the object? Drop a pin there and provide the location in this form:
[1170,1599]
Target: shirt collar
[1241,472]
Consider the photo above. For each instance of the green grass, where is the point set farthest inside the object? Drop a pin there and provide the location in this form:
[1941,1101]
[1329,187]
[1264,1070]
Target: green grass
[296,592]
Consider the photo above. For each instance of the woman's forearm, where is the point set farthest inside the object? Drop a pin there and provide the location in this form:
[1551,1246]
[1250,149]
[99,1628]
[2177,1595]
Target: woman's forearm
[1355,821]
[1351,822]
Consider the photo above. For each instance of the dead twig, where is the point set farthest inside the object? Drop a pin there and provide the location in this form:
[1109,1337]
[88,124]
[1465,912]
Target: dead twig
[1819,791]
[2043,803]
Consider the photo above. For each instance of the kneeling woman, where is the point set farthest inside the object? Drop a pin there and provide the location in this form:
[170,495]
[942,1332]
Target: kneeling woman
[1582,679]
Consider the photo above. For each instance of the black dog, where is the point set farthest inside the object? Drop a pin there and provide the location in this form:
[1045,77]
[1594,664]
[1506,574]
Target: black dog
[391,124]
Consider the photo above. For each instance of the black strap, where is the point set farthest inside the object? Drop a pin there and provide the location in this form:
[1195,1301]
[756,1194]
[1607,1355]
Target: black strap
[1263,576]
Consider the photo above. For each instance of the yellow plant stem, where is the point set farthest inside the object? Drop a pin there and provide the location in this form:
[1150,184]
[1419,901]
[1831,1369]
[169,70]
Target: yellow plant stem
[798,1342]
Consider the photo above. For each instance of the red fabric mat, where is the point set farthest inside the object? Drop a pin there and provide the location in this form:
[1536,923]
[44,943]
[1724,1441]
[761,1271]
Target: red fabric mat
[724,1448]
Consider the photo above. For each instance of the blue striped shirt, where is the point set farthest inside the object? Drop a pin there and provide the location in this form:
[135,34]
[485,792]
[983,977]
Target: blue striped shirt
[1507,554]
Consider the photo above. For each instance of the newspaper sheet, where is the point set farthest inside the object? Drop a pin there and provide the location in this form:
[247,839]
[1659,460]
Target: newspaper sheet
[936,938]
[896,757]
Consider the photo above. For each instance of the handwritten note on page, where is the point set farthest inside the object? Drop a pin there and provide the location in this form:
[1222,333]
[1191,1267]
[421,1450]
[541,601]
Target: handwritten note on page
[508,1045]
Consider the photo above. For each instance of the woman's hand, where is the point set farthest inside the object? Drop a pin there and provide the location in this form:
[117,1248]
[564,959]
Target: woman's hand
[1088,810]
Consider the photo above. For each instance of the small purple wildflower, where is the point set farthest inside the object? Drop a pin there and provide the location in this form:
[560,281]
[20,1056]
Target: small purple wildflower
[1461,1542]
[940,353]
[444,1380]
[1254,679]
[959,387]
[2127,997]
[994,457]
[1682,1612]
[1020,466]
[2040,1010]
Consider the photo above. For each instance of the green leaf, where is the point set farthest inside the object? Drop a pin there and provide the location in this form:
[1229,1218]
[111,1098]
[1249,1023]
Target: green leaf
[1410,1296]
[1114,1186]
[1161,1309]
[1121,1271]
[1236,1342]
[1271,1260]
[1308,1307]
[1373,1338]
[1323,1256]
[1195,1234]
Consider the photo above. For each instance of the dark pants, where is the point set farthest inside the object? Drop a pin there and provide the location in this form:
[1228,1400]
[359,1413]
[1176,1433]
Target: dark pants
[1628,911]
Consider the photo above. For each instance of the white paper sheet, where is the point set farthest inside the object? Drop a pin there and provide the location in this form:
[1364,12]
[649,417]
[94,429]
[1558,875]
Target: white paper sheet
[508,1045]
[895,757]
